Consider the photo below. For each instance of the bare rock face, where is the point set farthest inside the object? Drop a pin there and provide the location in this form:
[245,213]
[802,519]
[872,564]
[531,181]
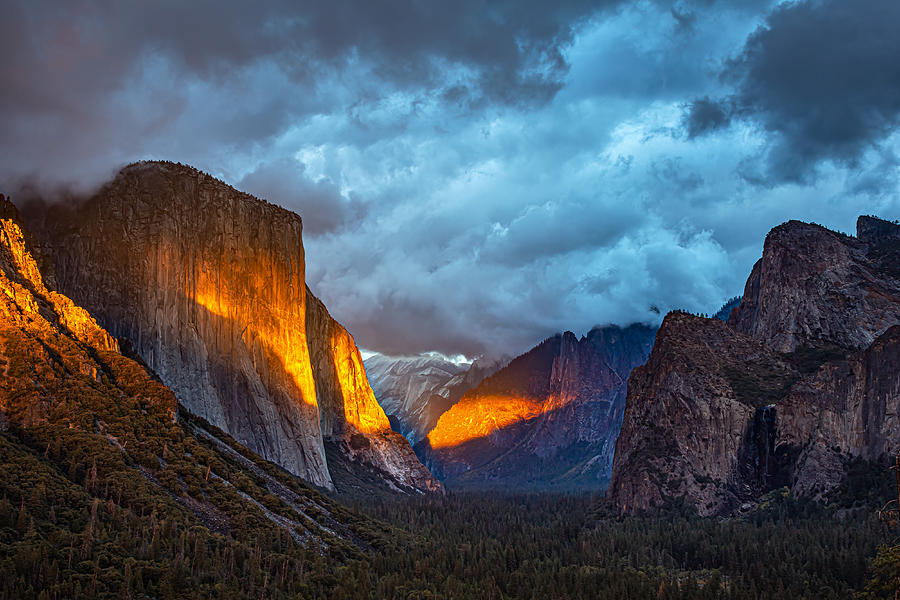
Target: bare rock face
[415,391]
[803,378]
[690,416]
[815,286]
[587,389]
[848,407]
[550,418]
[208,286]
[45,339]
[66,388]
[25,298]
[349,414]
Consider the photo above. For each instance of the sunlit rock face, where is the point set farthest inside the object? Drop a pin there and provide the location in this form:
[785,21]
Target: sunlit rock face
[48,345]
[802,379]
[25,298]
[73,400]
[415,391]
[548,419]
[345,397]
[348,408]
[412,389]
[208,286]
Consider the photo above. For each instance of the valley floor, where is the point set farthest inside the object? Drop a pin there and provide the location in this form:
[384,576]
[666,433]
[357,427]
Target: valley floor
[546,546]
[120,538]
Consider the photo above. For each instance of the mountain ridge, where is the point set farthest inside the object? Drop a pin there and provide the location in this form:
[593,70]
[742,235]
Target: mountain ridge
[100,465]
[549,418]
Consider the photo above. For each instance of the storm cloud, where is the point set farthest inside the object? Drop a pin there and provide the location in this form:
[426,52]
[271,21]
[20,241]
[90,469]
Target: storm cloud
[476,176]
[822,78]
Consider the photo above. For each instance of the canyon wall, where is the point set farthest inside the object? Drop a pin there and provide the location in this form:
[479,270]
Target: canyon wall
[802,380]
[207,285]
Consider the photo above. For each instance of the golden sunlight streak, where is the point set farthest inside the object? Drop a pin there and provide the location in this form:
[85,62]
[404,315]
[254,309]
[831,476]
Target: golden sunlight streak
[478,417]
[260,325]
[361,410]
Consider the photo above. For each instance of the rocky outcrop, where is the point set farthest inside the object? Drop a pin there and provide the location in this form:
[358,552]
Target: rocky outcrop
[349,414]
[96,428]
[813,286]
[415,391]
[803,378]
[847,408]
[550,418]
[25,298]
[207,285]
[51,350]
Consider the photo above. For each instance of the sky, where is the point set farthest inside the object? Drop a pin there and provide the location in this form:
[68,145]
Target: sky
[475,176]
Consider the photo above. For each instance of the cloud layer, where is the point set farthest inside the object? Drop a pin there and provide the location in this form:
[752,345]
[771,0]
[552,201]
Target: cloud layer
[821,78]
[477,176]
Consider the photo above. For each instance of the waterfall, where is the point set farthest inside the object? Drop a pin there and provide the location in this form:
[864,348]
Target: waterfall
[767,434]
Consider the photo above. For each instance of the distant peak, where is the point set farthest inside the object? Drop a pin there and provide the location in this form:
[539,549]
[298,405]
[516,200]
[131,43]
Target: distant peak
[150,173]
[162,165]
[801,228]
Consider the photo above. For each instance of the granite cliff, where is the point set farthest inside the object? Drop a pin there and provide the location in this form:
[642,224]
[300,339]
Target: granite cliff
[207,286]
[548,419]
[350,417]
[801,380]
[98,455]
[814,286]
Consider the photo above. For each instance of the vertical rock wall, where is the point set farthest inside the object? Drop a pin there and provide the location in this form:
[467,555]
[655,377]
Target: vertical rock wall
[208,286]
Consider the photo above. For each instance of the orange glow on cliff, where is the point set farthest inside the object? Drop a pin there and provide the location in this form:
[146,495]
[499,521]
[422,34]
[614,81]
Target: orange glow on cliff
[361,410]
[74,318]
[209,300]
[262,325]
[477,417]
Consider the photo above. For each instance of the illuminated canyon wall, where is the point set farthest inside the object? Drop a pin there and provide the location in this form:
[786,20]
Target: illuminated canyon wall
[416,390]
[549,418]
[208,286]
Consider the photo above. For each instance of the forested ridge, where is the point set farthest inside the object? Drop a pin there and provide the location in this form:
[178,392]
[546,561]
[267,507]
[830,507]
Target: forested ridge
[571,546]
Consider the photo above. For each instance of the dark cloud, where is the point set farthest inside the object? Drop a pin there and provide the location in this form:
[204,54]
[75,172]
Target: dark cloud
[705,115]
[684,17]
[478,175]
[558,228]
[821,77]
[671,171]
[81,77]
[320,203]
